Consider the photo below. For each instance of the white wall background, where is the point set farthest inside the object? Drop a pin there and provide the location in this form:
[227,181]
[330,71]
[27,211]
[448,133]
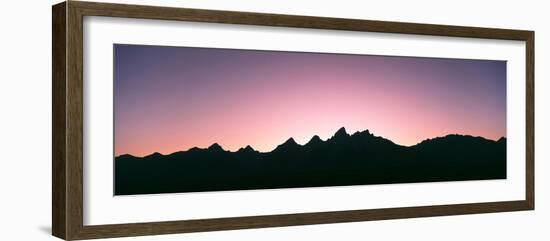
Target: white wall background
[25,121]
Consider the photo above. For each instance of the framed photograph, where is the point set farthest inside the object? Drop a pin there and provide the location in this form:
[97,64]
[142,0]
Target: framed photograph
[171,120]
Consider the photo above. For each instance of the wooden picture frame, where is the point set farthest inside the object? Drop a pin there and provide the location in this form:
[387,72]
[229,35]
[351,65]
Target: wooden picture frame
[67,152]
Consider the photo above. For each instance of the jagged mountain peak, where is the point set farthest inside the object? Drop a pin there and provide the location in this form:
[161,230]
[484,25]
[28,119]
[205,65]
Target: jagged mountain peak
[341,132]
[359,139]
[290,141]
[215,147]
[288,144]
[315,140]
[362,133]
[248,148]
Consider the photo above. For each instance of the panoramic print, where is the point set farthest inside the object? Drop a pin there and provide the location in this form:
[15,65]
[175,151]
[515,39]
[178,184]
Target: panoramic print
[190,119]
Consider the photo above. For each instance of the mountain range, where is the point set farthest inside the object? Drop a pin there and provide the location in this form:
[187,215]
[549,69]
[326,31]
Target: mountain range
[358,159]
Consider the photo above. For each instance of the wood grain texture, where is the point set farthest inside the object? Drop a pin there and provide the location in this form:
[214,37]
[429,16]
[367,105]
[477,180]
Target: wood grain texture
[67,154]
[58,121]
[530,120]
[280,20]
[155,228]
[74,121]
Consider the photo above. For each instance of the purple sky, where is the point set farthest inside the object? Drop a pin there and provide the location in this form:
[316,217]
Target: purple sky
[173,98]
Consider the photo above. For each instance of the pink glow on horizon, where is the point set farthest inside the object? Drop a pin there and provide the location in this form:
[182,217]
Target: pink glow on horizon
[264,105]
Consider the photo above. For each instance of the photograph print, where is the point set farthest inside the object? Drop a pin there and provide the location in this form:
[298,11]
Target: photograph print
[189,119]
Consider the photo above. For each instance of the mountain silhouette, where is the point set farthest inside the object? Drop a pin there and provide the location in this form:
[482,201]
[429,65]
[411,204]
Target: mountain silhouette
[288,145]
[357,159]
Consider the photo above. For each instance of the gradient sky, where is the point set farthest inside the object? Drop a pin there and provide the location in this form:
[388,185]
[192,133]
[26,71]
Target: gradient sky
[169,99]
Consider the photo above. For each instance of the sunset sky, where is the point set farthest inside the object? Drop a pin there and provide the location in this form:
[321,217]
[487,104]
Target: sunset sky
[169,99]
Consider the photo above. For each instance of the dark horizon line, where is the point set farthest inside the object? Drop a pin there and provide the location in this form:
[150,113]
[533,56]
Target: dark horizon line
[291,139]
